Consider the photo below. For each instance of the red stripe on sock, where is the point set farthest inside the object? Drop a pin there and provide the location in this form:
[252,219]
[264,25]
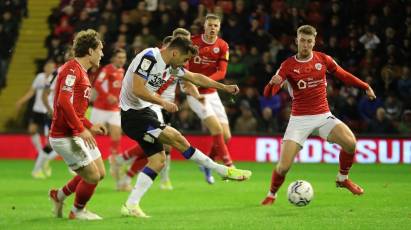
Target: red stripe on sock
[71,186]
[221,149]
[84,191]
[346,161]
[276,181]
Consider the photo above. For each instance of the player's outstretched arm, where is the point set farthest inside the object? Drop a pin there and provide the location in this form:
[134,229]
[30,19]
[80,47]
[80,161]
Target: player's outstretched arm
[191,89]
[203,81]
[140,90]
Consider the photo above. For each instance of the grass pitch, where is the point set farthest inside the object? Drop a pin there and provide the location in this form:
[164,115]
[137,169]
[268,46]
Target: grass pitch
[193,204]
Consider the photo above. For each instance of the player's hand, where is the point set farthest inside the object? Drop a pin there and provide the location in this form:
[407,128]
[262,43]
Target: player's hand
[233,89]
[275,80]
[88,139]
[99,129]
[370,93]
[112,99]
[201,99]
[170,107]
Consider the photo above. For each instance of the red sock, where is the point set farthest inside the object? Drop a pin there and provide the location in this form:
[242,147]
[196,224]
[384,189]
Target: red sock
[346,161]
[221,149]
[137,165]
[276,181]
[71,186]
[115,147]
[135,151]
[213,152]
[84,191]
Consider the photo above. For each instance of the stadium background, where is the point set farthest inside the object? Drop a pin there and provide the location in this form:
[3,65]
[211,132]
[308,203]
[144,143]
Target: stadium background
[371,40]
[260,34]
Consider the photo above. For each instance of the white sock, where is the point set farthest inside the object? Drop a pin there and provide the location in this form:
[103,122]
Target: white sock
[60,195]
[341,177]
[40,160]
[143,183]
[52,155]
[35,139]
[204,160]
[165,172]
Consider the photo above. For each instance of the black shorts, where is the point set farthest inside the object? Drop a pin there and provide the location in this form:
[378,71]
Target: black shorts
[40,119]
[166,116]
[143,126]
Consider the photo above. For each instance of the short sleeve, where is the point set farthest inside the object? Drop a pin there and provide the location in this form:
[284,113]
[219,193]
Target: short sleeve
[145,64]
[37,83]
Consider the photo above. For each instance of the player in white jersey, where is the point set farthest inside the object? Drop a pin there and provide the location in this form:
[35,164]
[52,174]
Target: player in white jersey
[135,153]
[149,70]
[39,120]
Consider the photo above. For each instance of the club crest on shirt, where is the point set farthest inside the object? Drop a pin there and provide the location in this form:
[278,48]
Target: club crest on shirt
[216,49]
[318,66]
[70,79]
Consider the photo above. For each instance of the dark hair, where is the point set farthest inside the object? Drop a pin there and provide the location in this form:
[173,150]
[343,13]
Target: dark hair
[85,40]
[184,45]
[167,40]
[118,50]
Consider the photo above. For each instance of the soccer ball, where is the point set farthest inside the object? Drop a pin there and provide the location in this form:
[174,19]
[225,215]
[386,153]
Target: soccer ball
[300,193]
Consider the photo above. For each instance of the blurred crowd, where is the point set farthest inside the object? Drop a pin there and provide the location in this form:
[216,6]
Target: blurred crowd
[11,14]
[370,39]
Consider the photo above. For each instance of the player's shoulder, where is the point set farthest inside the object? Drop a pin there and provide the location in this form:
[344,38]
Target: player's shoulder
[321,55]
[221,42]
[72,67]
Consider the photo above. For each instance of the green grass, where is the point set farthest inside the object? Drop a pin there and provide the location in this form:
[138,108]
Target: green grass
[193,204]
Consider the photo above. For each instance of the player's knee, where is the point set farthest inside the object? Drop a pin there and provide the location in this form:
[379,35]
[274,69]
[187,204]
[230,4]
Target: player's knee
[180,141]
[102,175]
[93,178]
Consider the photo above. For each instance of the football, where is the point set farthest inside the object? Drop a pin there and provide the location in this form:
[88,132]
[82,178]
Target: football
[300,193]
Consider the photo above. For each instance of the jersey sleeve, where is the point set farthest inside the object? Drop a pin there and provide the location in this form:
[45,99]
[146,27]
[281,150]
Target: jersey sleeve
[145,64]
[222,63]
[68,82]
[282,71]
[343,75]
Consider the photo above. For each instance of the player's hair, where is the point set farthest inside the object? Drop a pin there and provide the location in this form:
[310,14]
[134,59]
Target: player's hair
[213,16]
[85,40]
[181,32]
[184,45]
[118,50]
[307,29]
[167,40]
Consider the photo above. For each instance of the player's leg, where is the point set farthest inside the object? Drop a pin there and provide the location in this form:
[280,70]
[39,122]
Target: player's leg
[33,130]
[144,181]
[172,137]
[124,184]
[165,182]
[89,167]
[115,136]
[289,150]
[343,136]
[298,129]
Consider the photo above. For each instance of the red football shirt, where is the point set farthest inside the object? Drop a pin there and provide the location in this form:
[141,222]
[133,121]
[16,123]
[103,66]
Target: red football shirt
[108,83]
[307,83]
[211,60]
[71,100]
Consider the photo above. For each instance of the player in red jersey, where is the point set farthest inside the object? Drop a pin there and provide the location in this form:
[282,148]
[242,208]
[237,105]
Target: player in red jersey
[106,109]
[212,61]
[71,133]
[305,73]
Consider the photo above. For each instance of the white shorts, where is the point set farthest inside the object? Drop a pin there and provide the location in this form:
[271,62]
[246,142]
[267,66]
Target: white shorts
[212,107]
[74,151]
[300,127]
[105,116]
[157,109]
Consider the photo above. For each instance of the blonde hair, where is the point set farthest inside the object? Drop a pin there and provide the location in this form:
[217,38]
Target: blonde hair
[307,29]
